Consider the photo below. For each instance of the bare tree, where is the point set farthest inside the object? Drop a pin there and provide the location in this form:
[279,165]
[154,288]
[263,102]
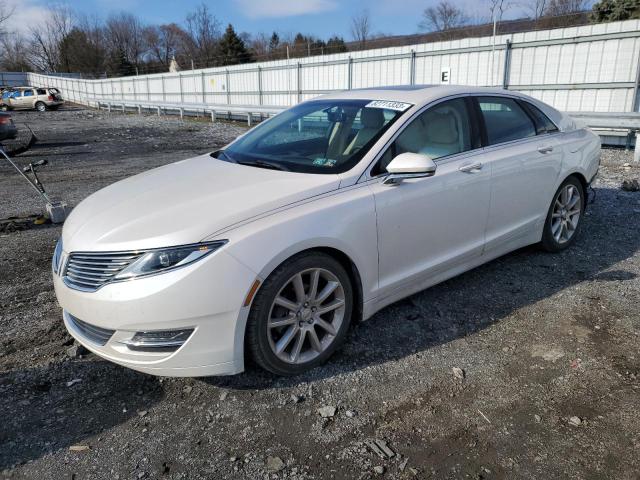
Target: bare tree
[361,27]
[535,8]
[556,8]
[6,11]
[165,42]
[46,37]
[497,9]
[123,36]
[260,45]
[12,53]
[204,32]
[442,17]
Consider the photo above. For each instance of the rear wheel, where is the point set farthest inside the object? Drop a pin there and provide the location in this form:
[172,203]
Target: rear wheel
[41,107]
[301,314]
[564,216]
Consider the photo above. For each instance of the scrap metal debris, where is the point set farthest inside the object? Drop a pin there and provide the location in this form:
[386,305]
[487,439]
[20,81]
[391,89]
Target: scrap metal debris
[380,448]
[18,224]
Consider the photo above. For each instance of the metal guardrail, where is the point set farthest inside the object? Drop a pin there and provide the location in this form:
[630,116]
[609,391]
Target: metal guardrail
[629,121]
[614,120]
[160,107]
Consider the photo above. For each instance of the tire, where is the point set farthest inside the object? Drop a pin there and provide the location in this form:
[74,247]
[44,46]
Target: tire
[559,236]
[263,338]
[41,107]
[4,108]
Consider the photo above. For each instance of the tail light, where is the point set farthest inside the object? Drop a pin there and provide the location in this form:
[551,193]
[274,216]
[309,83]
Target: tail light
[50,98]
[5,120]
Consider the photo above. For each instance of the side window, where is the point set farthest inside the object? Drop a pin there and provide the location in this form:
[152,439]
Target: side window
[505,120]
[42,91]
[440,131]
[543,124]
[28,93]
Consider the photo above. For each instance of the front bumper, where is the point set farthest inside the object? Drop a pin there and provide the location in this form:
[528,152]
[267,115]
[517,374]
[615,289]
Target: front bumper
[206,296]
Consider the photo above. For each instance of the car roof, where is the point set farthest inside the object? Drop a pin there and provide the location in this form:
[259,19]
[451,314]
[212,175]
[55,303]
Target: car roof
[416,94]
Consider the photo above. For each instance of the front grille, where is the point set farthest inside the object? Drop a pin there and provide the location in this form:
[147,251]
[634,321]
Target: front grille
[89,271]
[99,336]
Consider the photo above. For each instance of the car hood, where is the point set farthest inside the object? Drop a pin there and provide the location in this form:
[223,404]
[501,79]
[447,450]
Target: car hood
[183,203]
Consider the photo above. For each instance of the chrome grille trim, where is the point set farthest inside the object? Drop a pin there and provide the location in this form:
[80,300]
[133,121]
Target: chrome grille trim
[96,335]
[88,271]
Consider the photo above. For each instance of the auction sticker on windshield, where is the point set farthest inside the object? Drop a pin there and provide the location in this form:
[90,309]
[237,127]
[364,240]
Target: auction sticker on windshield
[398,106]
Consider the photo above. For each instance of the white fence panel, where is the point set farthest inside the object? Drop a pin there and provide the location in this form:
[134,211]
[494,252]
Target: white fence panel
[587,68]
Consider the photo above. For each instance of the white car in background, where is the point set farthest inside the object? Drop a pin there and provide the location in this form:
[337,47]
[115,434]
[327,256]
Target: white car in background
[314,219]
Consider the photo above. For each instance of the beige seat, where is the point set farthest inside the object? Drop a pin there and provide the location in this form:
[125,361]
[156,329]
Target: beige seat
[372,121]
[435,134]
[442,135]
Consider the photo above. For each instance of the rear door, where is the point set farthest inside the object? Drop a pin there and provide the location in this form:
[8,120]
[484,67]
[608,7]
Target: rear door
[27,99]
[525,161]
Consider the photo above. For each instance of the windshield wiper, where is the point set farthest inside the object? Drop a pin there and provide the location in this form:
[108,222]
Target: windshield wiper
[264,164]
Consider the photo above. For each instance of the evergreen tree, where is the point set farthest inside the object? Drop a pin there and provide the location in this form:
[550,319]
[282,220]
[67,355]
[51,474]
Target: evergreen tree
[119,65]
[336,45]
[232,48]
[613,10]
[274,43]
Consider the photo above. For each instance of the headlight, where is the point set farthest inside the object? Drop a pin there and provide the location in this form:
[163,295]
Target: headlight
[57,257]
[163,260]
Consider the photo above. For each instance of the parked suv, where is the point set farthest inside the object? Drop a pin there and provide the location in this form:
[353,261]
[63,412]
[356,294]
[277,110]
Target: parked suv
[31,97]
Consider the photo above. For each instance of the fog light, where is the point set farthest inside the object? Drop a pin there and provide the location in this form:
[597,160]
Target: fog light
[158,340]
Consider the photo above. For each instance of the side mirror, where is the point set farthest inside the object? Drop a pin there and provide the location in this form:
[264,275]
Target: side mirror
[409,165]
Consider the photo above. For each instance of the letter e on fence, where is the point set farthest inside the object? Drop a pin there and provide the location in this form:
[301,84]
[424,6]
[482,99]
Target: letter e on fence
[445,75]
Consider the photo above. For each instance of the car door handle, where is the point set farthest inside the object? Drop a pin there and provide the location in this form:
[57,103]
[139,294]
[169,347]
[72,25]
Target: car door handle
[471,168]
[545,149]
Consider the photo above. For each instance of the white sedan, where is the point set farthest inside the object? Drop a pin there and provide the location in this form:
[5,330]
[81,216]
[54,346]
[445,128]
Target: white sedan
[272,247]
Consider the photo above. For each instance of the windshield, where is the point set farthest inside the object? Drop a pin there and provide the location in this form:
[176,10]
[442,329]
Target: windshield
[327,136]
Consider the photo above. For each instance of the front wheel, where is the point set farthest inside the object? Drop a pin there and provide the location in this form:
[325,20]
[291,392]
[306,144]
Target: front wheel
[564,216]
[41,107]
[4,108]
[301,314]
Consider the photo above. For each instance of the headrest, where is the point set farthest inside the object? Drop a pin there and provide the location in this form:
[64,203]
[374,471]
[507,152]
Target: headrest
[372,118]
[442,128]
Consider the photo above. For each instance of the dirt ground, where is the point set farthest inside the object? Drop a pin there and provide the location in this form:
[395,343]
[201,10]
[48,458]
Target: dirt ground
[547,345]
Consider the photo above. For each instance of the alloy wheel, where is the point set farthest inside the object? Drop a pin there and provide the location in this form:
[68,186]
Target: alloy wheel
[566,213]
[306,315]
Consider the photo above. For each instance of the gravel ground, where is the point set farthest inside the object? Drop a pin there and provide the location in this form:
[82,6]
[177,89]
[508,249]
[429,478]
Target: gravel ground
[546,347]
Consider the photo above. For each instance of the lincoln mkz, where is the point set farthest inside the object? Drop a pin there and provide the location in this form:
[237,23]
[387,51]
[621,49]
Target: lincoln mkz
[270,248]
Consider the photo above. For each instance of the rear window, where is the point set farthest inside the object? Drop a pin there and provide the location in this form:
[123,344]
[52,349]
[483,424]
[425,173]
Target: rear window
[543,123]
[505,120]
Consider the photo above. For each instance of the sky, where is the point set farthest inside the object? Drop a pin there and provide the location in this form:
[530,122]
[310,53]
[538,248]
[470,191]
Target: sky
[322,18]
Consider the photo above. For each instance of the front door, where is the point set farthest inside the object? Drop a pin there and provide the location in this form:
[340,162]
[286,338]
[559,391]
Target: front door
[429,227]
